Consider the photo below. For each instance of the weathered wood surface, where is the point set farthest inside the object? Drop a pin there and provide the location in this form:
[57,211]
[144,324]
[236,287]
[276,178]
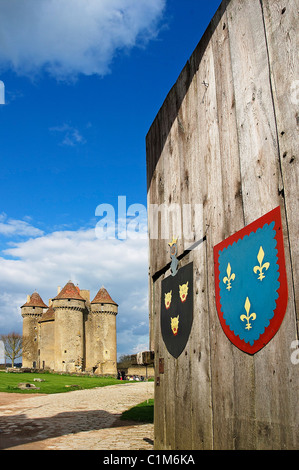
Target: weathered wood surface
[226,137]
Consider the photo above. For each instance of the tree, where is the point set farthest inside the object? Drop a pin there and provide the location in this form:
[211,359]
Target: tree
[13,346]
[124,361]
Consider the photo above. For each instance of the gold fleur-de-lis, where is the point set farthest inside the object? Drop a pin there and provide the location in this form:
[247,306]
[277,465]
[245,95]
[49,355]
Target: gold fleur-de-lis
[229,278]
[261,267]
[248,317]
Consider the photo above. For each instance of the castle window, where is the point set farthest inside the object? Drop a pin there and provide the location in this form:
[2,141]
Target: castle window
[65,350]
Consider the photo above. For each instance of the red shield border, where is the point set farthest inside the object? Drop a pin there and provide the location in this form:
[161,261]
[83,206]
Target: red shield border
[281,302]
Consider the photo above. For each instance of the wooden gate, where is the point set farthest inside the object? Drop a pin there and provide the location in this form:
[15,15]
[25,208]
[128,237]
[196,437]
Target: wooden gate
[225,143]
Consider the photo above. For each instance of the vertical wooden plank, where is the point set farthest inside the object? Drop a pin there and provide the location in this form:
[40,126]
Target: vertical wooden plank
[281,24]
[256,124]
[188,367]
[211,181]
[159,411]
[261,180]
[194,365]
[173,367]
[223,216]
[232,371]
[165,190]
[199,350]
[179,194]
[281,29]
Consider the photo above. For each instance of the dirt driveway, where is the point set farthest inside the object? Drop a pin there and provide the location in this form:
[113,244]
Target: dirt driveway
[77,420]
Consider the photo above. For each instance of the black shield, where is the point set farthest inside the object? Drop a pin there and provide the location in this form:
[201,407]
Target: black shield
[177,310]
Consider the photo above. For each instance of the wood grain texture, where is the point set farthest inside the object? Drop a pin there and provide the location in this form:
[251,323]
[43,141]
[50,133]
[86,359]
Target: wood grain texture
[283,44]
[226,139]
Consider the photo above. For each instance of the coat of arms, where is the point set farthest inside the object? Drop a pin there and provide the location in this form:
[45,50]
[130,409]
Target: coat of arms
[250,283]
[177,306]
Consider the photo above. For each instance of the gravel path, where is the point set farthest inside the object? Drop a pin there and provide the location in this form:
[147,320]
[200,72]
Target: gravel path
[77,420]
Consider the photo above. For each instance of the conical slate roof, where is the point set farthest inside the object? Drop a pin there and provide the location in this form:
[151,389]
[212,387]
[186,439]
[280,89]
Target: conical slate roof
[35,301]
[49,315]
[70,291]
[103,297]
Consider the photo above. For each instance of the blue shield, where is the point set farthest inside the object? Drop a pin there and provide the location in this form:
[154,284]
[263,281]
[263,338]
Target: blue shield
[250,280]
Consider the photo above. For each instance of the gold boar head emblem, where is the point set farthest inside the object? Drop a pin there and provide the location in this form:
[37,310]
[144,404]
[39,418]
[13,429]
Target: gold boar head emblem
[184,291]
[175,325]
[168,299]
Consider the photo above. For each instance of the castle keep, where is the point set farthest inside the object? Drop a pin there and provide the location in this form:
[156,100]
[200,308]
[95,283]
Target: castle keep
[72,334]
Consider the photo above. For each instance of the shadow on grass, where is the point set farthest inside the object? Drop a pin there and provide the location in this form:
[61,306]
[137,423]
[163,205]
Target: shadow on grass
[142,413]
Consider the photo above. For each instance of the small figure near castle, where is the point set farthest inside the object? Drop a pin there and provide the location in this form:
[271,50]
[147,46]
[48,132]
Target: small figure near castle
[71,334]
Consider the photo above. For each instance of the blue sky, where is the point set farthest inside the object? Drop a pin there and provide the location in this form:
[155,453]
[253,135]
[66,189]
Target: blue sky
[82,87]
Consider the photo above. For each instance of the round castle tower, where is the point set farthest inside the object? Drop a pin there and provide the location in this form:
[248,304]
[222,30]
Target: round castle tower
[69,308]
[47,338]
[31,311]
[102,324]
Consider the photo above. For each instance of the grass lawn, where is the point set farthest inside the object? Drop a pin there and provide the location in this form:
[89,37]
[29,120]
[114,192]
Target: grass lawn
[53,383]
[144,412]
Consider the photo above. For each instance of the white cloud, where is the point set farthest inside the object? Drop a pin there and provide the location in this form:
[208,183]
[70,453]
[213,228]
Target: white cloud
[9,227]
[2,92]
[69,37]
[71,135]
[49,261]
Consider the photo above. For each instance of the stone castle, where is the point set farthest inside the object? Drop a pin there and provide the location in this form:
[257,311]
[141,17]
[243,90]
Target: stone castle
[71,334]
